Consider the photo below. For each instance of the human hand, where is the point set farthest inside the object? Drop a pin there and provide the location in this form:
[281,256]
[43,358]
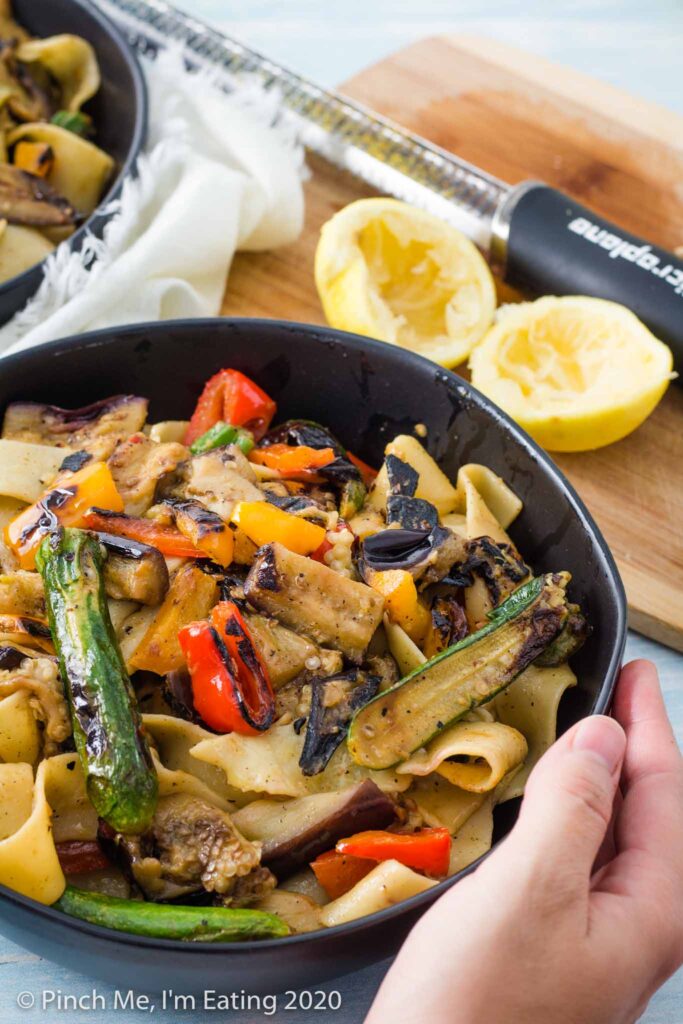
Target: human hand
[577,917]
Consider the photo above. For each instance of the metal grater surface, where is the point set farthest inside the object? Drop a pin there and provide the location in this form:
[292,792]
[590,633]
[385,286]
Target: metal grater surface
[379,152]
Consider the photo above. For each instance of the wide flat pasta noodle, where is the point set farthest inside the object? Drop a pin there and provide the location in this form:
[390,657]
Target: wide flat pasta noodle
[71,61]
[178,781]
[28,858]
[270,764]
[443,805]
[80,171]
[530,704]
[73,815]
[474,838]
[500,500]
[21,248]
[20,737]
[493,748]
[174,739]
[387,884]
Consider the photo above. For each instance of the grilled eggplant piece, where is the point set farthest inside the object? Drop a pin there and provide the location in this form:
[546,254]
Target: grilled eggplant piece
[116,761]
[294,832]
[333,703]
[218,479]
[95,429]
[411,513]
[191,845]
[427,554]
[10,658]
[133,571]
[286,654]
[311,598]
[28,200]
[439,692]
[401,476]
[498,565]
[137,464]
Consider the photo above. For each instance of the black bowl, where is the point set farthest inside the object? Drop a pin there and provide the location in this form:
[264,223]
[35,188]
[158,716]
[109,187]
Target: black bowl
[366,392]
[119,112]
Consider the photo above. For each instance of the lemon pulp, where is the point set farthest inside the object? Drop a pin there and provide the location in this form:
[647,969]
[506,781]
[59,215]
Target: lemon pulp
[393,272]
[576,372]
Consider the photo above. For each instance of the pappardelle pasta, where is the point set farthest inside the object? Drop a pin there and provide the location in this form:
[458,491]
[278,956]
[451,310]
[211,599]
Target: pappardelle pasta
[249,686]
[52,175]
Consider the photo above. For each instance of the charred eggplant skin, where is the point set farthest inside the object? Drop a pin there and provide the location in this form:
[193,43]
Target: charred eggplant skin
[121,780]
[328,723]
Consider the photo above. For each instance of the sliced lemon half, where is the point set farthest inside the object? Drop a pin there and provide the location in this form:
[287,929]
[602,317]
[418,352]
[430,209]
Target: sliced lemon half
[577,373]
[388,270]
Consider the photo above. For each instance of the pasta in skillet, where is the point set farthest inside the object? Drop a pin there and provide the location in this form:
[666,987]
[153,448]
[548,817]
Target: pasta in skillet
[242,671]
[51,175]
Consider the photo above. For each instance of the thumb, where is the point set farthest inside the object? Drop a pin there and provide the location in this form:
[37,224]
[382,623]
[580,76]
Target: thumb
[567,806]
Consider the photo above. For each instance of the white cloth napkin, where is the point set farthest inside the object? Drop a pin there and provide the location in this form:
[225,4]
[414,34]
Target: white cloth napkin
[216,177]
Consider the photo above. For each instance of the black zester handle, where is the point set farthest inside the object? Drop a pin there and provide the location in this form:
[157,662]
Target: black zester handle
[549,244]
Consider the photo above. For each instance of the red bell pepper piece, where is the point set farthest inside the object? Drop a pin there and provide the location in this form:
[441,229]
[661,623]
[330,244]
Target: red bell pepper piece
[428,850]
[230,685]
[166,539]
[232,397]
[339,872]
[77,856]
[295,462]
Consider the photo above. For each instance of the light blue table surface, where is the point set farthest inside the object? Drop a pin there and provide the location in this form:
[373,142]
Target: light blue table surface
[633,44]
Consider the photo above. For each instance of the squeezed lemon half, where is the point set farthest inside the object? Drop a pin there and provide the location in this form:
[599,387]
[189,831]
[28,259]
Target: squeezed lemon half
[388,270]
[577,373]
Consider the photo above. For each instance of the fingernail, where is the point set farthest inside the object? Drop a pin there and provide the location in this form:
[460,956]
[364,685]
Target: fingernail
[603,737]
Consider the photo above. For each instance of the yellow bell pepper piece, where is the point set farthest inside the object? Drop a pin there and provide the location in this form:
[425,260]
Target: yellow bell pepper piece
[264,523]
[401,601]
[64,503]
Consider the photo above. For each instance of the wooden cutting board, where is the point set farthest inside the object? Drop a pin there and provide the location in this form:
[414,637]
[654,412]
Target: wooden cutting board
[519,117]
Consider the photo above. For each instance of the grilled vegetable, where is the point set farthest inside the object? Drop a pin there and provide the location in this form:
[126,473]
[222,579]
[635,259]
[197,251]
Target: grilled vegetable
[428,850]
[27,469]
[221,434]
[166,539]
[572,638]
[294,462]
[121,780]
[34,157]
[339,872]
[263,523]
[286,654]
[65,504]
[29,200]
[133,571]
[498,565]
[308,596]
[231,397]
[448,624]
[294,832]
[230,686]
[432,484]
[73,121]
[333,702]
[191,596]
[27,632]
[401,601]
[204,529]
[77,856]
[441,691]
[95,428]
[166,921]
